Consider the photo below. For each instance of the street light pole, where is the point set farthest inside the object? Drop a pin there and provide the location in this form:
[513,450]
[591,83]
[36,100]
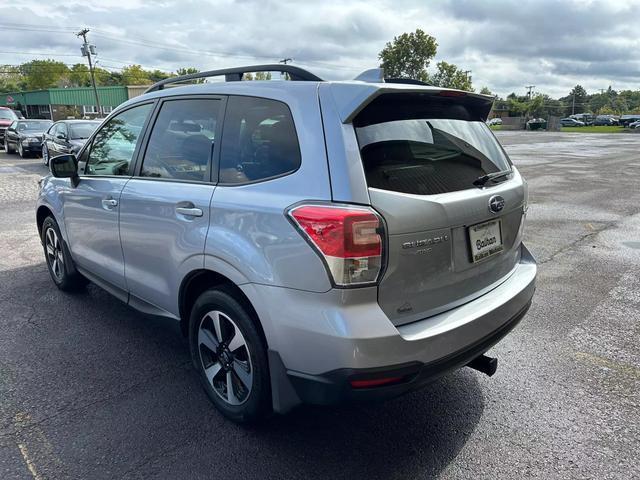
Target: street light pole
[86,52]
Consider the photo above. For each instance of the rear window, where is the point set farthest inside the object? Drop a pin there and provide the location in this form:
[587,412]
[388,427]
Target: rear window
[81,131]
[259,141]
[33,126]
[7,114]
[427,153]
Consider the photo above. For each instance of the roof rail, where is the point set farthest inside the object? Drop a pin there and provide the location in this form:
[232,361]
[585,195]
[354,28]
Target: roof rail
[236,74]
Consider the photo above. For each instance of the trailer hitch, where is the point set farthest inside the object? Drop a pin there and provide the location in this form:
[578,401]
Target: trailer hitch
[484,364]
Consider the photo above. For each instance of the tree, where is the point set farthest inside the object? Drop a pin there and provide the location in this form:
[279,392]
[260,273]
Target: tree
[408,55]
[257,76]
[577,100]
[79,75]
[135,75]
[186,71]
[263,76]
[11,80]
[486,91]
[41,74]
[449,75]
[157,75]
[190,71]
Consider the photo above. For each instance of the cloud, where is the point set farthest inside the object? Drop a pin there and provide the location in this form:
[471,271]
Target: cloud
[506,44]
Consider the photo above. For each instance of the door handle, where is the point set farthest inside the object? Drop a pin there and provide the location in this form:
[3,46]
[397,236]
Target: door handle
[109,203]
[189,211]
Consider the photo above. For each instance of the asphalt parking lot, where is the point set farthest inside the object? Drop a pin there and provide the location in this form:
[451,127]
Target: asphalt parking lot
[92,389]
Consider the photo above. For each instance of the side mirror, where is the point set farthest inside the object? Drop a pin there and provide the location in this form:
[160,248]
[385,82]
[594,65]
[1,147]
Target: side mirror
[61,136]
[65,166]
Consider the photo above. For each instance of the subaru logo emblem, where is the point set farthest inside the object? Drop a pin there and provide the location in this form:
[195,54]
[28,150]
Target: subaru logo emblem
[496,203]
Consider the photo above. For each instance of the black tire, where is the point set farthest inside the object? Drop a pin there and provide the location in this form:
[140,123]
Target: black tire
[7,147]
[21,151]
[63,273]
[257,403]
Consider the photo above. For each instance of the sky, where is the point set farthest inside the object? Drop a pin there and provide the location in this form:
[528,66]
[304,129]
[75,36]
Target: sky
[506,44]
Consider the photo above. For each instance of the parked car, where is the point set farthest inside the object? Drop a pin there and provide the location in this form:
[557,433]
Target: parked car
[318,242]
[604,120]
[537,124]
[635,124]
[25,136]
[66,136]
[571,122]
[494,121]
[586,118]
[625,120]
[7,117]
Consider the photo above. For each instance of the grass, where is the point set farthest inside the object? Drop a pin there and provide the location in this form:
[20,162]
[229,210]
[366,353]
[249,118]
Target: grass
[495,127]
[592,129]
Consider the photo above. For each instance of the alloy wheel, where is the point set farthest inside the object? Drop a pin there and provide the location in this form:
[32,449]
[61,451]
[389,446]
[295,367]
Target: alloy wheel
[55,257]
[20,149]
[225,357]
[45,155]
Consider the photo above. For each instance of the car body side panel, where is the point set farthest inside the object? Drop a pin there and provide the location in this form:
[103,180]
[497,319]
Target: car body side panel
[157,239]
[92,228]
[348,181]
[249,228]
[50,197]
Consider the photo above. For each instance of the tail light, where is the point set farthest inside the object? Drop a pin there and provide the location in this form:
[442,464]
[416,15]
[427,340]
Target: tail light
[348,239]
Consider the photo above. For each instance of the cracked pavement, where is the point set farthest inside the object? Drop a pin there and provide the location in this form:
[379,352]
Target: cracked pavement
[90,388]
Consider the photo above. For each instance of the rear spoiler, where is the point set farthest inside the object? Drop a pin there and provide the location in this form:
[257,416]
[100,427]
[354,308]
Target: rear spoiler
[352,98]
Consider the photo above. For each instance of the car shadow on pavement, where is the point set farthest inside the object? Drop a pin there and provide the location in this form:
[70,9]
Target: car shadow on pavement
[115,392]
[416,434]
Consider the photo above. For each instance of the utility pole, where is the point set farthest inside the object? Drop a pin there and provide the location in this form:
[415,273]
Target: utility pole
[573,106]
[467,73]
[285,61]
[529,89]
[87,50]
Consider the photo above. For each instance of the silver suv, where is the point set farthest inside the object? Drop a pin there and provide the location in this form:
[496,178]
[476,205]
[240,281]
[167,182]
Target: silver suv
[319,242]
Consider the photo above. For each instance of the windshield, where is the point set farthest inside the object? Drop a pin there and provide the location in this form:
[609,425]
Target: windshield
[33,126]
[81,131]
[429,156]
[7,114]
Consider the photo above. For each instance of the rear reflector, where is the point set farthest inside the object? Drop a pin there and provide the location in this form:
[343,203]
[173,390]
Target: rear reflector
[375,382]
[347,238]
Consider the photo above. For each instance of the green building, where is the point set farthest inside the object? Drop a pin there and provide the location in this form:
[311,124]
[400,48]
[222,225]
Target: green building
[62,103]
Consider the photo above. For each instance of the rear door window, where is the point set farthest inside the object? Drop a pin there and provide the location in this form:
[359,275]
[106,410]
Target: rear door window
[427,152]
[182,141]
[259,141]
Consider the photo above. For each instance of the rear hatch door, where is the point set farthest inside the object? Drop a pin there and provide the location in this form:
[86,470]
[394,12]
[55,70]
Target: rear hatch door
[449,240]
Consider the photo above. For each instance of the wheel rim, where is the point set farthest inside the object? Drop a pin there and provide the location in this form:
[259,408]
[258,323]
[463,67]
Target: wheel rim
[225,357]
[45,155]
[55,257]
[20,148]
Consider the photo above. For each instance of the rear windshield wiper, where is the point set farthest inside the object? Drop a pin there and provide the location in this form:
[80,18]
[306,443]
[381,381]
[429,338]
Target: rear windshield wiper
[481,181]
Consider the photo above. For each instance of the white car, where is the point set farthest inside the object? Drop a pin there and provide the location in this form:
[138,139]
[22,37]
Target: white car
[635,124]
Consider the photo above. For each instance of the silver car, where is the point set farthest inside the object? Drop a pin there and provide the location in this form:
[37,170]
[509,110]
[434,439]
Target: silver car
[319,242]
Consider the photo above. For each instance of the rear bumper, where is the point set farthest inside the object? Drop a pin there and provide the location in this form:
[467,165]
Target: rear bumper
[334,387]
[320,341]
